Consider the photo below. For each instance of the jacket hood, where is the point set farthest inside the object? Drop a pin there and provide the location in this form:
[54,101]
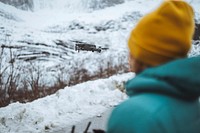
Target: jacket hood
[179,78]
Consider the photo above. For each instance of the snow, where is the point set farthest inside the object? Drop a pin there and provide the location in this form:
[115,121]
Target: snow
[65,108]
[46,27]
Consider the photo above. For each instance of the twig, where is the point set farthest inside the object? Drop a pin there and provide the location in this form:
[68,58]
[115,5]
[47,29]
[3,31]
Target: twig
[87,127]
[73,129]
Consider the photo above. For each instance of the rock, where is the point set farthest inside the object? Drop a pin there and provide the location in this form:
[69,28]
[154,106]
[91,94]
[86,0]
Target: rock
[20,4]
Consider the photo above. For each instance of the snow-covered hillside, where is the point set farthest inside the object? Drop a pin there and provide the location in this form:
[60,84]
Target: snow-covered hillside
[75,5]
[46,37]
[34,37]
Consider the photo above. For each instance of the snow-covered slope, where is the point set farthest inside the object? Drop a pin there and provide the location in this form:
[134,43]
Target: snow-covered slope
[65,108]
[75,5]
[37,33]
[36,37]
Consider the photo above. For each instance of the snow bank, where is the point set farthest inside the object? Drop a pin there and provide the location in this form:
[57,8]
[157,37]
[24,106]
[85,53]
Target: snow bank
[65,108]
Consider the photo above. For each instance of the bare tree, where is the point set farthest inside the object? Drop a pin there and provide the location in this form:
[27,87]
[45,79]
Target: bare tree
[35,73]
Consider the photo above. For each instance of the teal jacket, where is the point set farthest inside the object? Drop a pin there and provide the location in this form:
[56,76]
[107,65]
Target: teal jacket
[163,99]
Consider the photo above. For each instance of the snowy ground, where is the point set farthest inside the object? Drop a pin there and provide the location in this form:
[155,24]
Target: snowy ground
[34,35]
[65,108]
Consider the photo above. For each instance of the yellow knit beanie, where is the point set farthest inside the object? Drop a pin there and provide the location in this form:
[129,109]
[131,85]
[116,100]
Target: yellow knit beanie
[164,34]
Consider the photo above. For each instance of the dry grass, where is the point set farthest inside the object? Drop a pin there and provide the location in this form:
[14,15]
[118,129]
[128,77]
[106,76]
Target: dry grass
[13,93]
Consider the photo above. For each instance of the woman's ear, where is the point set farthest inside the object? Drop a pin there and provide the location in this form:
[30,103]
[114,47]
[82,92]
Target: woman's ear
[136,65]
